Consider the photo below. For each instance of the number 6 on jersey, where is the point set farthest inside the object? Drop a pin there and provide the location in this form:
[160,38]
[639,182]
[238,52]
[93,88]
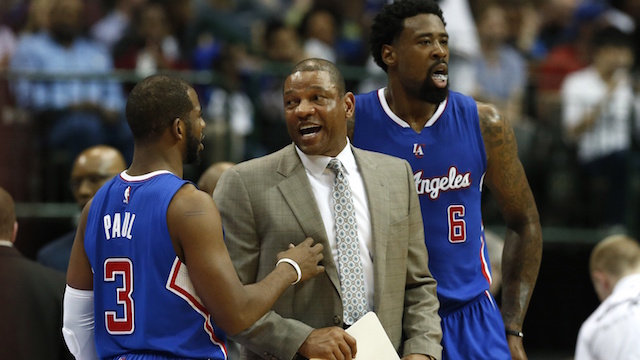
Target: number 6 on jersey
[457,224]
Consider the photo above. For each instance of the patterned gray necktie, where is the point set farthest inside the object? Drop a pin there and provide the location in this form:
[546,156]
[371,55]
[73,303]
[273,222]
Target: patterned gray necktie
[354,302]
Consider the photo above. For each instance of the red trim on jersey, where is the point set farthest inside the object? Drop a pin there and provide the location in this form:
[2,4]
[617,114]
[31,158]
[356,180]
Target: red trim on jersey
[194,302]
[485,265]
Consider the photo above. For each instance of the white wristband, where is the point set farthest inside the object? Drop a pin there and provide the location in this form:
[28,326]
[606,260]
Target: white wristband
[295,266]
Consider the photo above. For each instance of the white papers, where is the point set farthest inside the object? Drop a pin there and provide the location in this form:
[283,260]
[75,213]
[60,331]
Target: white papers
[371,339]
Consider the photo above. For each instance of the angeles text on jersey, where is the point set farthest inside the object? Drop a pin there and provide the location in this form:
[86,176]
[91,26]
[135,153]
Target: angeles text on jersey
[118,225]
[433,186]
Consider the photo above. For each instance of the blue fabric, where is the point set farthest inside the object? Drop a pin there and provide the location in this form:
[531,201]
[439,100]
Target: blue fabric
[449,162]
[144,300]
[480,325]
[66,127]
[40,53]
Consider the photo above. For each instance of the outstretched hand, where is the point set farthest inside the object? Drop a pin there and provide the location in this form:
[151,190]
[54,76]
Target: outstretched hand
[308,256]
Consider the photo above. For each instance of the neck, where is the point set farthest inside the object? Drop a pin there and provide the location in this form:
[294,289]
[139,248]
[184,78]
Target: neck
[150,158]
[416,112]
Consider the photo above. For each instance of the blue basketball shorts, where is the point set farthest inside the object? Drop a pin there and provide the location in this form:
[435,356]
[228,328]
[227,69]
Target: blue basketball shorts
[475,331]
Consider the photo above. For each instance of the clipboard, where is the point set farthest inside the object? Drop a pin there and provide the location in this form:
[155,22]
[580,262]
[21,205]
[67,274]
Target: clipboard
[373,342]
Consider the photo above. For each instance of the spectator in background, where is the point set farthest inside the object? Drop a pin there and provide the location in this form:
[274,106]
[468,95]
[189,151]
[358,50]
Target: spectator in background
[319,30]
[613,330]
[632,9]
[464,45]
[282,49]
[230,110]
[91,169]
[73,113]
[37,16]
[599,117]
[500,70]
[209,178]
[149,45]
[7,46]
[31,299]
[573,51]
[556,16]
[112,27]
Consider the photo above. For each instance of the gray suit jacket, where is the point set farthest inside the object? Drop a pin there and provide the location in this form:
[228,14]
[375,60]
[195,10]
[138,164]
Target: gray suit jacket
[267,203]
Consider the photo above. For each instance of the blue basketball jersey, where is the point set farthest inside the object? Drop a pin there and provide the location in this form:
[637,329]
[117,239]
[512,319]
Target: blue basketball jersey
[449,162]
[144,303]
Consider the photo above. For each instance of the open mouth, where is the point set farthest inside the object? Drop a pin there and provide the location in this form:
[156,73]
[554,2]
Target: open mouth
[440,77]
[309,130]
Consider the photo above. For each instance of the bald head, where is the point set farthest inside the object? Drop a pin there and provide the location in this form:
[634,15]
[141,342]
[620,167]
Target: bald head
[92,168]
[613,258]
[210,177]
[7,216]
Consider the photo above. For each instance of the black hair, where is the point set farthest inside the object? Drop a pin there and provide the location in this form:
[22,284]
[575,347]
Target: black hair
[314,64]
[154,103]
[271,27]
[389,23]
[611,36]
[303,27]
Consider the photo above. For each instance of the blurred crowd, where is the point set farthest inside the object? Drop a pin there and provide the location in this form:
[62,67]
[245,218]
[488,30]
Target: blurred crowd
[565,72]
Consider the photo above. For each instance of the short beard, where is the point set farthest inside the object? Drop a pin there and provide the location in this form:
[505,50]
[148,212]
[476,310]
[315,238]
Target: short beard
[432,94]
[429,92]
[193,145]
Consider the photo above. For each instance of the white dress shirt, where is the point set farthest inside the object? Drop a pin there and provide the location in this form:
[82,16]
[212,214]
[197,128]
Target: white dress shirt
[612,332]
[582,91]
[321,180]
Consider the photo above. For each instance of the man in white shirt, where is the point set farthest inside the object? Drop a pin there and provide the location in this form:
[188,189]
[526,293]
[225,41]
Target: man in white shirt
[598,116]
[613,330]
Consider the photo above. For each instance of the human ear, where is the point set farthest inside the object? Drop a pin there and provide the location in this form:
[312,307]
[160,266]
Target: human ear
[15,232]
[388,55]
[349,104]
[177,128]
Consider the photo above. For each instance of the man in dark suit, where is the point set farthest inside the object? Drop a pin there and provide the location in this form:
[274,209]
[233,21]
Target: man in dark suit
[30,300]
[91,169]
[269,202]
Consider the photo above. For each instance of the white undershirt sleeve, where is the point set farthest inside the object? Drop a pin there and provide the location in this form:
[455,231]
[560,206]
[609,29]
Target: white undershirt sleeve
[78,323]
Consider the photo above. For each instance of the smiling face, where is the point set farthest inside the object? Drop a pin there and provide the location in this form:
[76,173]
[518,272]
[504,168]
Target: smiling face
[315,112]
[418,59]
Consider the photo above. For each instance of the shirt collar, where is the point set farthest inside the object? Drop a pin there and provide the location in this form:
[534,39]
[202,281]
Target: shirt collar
[6,243]
[316,164]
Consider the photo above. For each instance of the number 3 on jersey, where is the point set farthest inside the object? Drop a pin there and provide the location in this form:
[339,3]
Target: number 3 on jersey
[120,268]
[457,224]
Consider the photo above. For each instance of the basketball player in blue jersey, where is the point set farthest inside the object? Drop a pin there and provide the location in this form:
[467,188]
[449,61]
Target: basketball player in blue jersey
[456,147]
[129,294]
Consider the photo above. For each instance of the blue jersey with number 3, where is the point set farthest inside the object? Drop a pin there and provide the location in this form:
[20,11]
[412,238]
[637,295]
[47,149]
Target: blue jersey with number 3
[449,162]
[144,303]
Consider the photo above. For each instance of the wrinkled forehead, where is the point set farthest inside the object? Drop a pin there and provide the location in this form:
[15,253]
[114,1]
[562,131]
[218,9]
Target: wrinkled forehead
[308,80]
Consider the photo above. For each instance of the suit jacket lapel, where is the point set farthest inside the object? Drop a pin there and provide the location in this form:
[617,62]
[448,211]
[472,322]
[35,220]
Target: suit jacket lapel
[296,190]
[378,199]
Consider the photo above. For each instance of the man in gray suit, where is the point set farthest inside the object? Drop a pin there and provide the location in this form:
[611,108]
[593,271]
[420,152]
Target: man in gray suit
[269,202]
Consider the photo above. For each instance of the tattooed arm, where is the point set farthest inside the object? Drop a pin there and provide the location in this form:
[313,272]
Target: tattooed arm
[522,253]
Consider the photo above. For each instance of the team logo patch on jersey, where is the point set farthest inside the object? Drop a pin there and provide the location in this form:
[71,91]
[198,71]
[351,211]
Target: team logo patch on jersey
[127,195]
[418,150]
